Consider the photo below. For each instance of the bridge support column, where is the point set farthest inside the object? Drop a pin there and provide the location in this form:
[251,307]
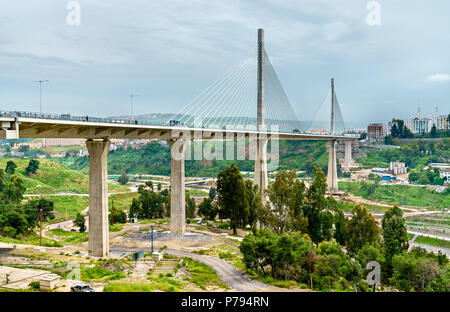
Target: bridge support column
[347,155]
[332,182]
[177,188]
[98,197]
[261,178]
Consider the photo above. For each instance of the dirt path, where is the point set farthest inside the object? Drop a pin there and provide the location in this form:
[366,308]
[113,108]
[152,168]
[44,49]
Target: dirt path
[236,280]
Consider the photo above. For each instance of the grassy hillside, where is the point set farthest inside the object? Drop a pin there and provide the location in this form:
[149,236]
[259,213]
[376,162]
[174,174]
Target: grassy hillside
[399,194]
[155,159]
[52,177]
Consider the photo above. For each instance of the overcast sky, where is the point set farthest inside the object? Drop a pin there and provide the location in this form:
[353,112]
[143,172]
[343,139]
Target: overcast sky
[168,51]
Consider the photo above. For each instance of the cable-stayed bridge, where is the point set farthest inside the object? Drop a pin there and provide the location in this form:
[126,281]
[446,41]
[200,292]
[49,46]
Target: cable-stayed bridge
[246,103]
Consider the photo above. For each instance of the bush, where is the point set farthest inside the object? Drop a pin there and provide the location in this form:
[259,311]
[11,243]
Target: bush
[9,231]
[35,284]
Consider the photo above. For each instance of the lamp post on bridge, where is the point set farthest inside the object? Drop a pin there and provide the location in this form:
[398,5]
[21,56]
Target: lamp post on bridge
[40,93]
[132,97]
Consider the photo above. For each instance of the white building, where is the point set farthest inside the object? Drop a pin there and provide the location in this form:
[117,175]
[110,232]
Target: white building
[445,173]
[396,168]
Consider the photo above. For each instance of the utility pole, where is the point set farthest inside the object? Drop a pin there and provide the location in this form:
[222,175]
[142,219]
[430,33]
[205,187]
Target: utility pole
[112,211]
[132,97]
[40,224]
[152,238]
[40,94]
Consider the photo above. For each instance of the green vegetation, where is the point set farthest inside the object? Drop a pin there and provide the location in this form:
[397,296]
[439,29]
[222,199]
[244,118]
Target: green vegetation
[398,194]
[72,204]
[150,204]
[425,177]
[104,270]
[154,158]
[418,270]
[202,275]
[70,237]
[156,284]
[31,239]
[80,221]
[52,178]
[348,206]
[193,192]
[415,155]
[432,241]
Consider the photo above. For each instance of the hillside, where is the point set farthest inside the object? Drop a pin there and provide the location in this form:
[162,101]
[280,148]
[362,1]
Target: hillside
[155,159]
[52,178]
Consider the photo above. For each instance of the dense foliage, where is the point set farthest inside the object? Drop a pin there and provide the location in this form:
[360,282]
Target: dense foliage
[18,218]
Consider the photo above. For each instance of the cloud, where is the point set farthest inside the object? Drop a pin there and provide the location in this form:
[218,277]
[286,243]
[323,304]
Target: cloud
[439,77]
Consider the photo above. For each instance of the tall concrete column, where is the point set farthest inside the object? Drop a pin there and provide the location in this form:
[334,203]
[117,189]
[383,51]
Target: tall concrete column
[332,181]
[347,155]
[98,197]
[177,188]
[261,178]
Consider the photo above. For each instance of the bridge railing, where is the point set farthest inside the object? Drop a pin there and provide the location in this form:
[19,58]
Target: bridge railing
[69,117]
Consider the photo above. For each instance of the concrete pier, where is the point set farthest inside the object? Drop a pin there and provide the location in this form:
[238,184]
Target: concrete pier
[98,197]
[177,188]
[348,155]
[332,182]
[261,177]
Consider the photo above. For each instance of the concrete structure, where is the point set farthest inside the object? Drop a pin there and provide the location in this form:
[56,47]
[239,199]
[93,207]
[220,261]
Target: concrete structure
[49,142]
[261,178]
[49,282]
[332,182]
[177,187]
[397,168]
[99,132]
[98,197]
[374,132]
[348,160]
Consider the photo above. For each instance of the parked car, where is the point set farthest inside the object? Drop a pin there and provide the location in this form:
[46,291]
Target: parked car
[81,288]
[201,222]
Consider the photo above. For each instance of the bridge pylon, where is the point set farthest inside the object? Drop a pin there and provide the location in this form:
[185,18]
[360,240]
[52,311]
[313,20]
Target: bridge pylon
[177,187]
[260,173]
[332,183]
[98,197]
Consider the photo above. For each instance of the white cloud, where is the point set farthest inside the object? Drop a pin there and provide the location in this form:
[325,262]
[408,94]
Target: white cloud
[439,77]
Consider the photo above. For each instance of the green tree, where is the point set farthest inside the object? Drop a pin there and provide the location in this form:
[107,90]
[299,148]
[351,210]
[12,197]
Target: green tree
[80,222]
[420,271]
[207,210]
[341,227]
[362,229]
[32,167]
[388,140]
[150,185]
[33,208]
[277,212]
[119,216]
[123,179]
[190,206]
[254,200]
[134,209]
[232,200]
[212,193]
[433,132]
[395,236]
[10,167]
[14,190]
[318,209]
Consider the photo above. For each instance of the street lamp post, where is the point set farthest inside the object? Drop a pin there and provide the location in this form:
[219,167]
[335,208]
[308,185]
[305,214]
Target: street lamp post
[132,97]
[40,94]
